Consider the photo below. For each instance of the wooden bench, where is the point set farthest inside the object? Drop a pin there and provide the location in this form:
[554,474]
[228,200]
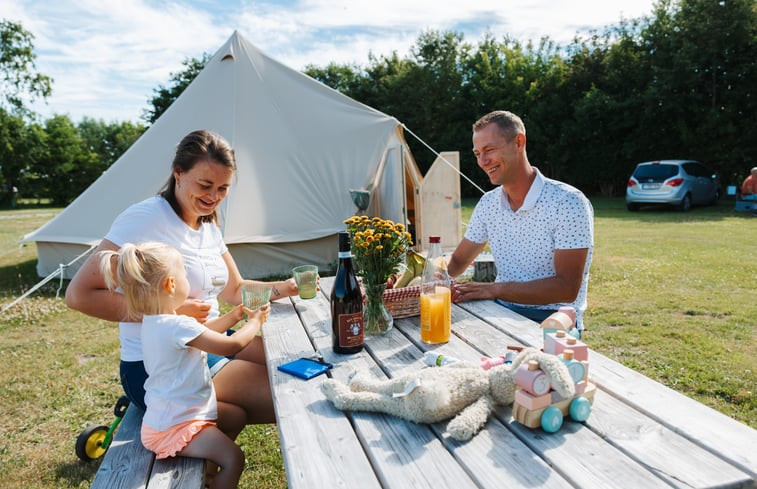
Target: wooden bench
[128,464]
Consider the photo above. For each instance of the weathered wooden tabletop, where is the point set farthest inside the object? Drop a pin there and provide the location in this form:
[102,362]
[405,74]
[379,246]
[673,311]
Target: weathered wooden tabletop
[640,434]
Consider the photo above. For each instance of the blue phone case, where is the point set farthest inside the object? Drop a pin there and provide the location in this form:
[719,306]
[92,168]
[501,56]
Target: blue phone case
[304,368]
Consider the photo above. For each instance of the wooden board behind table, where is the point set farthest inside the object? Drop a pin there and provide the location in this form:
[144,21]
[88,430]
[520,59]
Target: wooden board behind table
[324,449]
[706,428]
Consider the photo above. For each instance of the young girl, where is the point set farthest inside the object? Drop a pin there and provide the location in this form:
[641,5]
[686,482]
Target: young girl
[181,403]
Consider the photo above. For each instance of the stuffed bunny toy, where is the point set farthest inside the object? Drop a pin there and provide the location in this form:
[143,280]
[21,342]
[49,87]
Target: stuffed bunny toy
[462,391]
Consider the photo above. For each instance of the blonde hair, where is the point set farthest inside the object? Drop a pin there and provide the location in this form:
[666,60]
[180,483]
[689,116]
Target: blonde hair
[140,271]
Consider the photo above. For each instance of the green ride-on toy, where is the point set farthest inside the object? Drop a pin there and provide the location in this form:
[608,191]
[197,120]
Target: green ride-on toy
[94,440]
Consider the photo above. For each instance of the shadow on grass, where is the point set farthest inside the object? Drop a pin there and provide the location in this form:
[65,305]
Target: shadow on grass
[77,471]
[18,278]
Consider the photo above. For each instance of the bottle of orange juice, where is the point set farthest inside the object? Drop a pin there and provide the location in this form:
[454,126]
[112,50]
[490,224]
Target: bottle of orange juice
[436,307]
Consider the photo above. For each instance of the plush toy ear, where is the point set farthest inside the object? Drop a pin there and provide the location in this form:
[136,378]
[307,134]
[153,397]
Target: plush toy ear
[558,374]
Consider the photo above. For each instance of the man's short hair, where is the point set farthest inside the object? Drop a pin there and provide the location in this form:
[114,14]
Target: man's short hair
[754,170]
[509,124]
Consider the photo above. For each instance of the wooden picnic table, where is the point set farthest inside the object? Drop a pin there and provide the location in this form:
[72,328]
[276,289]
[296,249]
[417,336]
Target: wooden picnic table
[640,434]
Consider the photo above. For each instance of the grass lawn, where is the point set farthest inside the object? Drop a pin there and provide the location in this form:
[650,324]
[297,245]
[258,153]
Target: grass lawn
[671,295]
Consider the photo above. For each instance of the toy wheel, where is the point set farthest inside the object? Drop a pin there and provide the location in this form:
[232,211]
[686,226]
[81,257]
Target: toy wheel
[551,419]
[580,408]
[121,405]
[89,444]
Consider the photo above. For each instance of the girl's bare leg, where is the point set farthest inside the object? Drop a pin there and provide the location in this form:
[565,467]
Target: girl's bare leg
[212,444]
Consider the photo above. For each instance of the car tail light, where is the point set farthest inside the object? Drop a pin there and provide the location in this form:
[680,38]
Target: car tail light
[632,181]
[674,182]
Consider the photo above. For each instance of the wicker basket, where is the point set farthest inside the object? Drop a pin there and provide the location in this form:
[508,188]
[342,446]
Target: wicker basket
[404,302]
[401,303]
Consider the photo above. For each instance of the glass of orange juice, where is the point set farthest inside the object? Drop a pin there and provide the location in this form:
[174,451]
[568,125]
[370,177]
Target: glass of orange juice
[436,316]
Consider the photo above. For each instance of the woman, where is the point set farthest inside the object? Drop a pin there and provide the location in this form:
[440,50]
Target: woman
[184,216]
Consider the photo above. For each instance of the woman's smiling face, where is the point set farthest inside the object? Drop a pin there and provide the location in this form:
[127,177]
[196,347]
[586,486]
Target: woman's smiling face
[201,189]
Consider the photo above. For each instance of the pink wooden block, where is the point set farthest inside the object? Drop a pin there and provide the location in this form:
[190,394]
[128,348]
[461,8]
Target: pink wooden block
[558,320]
[580,350]
[551,339]
[532,402]
[531,378]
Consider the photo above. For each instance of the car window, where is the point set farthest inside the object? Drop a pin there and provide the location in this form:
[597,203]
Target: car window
[655,172]
[704,171]
[692,169]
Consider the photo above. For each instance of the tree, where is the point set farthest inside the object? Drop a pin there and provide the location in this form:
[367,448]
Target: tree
[12,161]
[165,95]
[18,77]
[67,167]
[108,141]
[702,55]
[679,83]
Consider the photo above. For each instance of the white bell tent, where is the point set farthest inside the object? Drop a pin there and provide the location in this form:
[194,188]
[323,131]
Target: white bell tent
[300,147]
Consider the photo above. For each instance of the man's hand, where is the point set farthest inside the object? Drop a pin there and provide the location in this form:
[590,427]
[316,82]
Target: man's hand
[468,291]
[200,310]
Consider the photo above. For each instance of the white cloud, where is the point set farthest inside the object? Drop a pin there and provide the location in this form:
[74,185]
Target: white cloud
[107,56]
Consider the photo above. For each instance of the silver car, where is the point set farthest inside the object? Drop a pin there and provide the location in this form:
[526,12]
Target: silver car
[681,183]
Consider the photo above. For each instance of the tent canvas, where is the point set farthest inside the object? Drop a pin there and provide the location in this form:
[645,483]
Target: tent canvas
[300,146]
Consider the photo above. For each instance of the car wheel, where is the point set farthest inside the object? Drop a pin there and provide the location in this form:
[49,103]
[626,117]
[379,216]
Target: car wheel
[715,198]
[632,207]
[685,205]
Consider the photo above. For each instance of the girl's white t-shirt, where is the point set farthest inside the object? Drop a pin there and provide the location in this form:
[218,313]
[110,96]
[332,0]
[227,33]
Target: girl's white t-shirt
[178,388]
[155,220]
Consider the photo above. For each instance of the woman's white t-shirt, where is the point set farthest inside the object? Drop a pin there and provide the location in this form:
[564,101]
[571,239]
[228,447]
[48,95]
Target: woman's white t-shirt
[178,388]
[155,220]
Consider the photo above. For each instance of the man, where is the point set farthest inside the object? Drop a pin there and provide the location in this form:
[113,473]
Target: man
[540,231]
[749,187]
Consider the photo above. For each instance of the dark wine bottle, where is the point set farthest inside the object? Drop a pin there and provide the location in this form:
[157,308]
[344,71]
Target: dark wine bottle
[346,303]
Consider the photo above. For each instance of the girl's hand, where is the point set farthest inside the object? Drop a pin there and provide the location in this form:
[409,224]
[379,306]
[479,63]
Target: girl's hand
[260,315]
[239,312]
[195,308]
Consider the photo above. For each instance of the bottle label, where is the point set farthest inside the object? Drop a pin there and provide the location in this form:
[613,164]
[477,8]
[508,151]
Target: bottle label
[345,254]
[350,330]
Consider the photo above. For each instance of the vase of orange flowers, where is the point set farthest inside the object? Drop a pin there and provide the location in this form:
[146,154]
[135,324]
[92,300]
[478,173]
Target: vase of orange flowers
[379,247]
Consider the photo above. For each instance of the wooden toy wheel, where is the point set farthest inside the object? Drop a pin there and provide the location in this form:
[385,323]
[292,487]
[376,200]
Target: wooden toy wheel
[551,419]
[580,408]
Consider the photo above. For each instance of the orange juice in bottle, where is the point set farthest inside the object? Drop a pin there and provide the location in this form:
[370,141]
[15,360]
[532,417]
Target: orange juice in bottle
[435,306]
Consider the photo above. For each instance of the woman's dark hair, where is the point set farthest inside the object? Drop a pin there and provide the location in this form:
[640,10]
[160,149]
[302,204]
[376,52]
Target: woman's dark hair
[197,146]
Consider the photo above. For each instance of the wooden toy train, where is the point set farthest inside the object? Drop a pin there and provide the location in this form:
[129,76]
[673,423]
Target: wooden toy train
[536,402]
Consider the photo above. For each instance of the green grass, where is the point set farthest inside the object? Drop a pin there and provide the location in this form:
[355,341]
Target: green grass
[671,295]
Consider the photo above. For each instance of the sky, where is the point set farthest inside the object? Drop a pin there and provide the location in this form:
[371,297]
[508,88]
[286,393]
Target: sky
[107,56]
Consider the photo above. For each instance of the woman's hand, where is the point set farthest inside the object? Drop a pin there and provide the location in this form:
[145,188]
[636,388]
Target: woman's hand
[200,310]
